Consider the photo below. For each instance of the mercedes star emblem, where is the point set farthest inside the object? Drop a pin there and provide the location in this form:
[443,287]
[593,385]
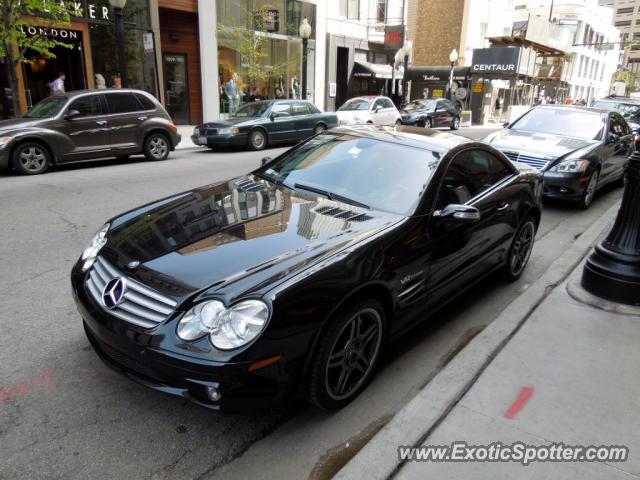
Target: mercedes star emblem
[113,293]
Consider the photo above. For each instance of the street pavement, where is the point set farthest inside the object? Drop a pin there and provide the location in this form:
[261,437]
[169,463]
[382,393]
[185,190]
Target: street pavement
[65,415]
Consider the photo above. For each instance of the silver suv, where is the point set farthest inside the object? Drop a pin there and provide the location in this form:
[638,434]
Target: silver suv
[85,125]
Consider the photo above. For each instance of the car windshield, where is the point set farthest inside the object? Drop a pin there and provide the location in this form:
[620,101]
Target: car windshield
[257,109]
[357,170]
[420,105]
[47,108]
[356,104]
[566,122]
[629,111]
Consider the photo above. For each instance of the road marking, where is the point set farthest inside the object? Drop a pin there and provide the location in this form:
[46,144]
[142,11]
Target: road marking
[21,389]
[525,394]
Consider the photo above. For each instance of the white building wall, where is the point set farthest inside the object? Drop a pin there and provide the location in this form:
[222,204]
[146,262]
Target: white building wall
[483,19]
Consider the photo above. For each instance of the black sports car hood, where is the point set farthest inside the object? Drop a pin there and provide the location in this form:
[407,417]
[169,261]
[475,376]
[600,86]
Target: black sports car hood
[247,232]
[543,144]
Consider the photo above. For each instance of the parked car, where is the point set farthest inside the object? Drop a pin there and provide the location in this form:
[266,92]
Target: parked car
[629,108]
[83,125]
[578,149]
[373,110]
[258,124]
[431,113]
[289,281]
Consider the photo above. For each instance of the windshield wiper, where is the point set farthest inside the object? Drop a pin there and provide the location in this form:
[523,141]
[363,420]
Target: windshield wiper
[332,196]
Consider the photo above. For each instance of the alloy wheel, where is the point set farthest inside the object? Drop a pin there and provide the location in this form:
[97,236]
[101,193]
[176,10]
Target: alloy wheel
[32,158]
[427,123]
[319,129]
[456,124]
[258,140]
[158,147]
[590,190]
[522,247]
[353,353]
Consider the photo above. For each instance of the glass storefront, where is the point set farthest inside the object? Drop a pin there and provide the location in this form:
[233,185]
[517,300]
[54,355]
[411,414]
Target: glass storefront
[260,51]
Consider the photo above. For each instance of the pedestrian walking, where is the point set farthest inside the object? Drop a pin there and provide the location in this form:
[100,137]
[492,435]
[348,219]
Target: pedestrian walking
[497,109]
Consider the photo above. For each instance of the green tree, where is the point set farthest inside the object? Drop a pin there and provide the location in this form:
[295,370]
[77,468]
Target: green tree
[626,76]
[18,46]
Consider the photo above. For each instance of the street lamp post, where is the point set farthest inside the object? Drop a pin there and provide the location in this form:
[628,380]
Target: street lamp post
[613,269]
[305,33]
[407,49]
[453,58]
[118,5]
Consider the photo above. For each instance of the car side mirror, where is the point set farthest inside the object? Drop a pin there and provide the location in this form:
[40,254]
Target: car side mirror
[71,114]
[377,109]
[458,213]
[265,160]
[505,124]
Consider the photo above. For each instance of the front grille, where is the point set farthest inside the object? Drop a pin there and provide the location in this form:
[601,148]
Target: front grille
[209,131]
[141,305]
[535,162]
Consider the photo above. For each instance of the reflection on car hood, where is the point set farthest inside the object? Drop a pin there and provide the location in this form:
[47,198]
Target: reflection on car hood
[20,123]
[245,232]
[230,122]
[543,144]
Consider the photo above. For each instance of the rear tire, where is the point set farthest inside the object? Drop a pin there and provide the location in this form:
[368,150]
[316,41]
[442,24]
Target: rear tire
[347,354]
[257,140]
[428,123]
[455,124]
[319,129]
[31,158]
[157,147]
[520,250]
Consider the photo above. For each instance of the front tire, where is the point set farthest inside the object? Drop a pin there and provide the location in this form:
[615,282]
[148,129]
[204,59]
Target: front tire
[31,158]
[428,123]
[257,140]
[319,129]
[455,124]
[347,355]
[520,250]
[590,190]
[157,147]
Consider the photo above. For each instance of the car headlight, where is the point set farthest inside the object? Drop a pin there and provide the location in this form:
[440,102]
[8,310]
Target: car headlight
[227,131]
[196,131]
[91,252]
[228,328]
[570,166]
[5,141]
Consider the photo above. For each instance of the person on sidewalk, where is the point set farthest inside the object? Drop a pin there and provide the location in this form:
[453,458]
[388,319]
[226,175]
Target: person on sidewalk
[57,86]
[497,109]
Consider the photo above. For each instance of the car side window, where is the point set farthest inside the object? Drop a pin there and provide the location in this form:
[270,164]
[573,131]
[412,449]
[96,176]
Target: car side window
[378,103]
[282,109]
[88,106]
[122,103]
[300,108]
[618,125]
[145,102]
[387,103]
[470,173]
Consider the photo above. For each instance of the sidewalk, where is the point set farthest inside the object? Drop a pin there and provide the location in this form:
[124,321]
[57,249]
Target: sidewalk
[575,358]
[186,131]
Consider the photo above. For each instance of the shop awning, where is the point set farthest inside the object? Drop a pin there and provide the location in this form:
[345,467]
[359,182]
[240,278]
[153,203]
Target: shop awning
[375,70]
[438,73]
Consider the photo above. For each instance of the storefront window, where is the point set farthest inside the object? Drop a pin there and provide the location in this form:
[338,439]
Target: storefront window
[261,62]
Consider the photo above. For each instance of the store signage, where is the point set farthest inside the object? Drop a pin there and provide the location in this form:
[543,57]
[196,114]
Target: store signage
[49,32]
[495,60]
[82,9]
[393,36]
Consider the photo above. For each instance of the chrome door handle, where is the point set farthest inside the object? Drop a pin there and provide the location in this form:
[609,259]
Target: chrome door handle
[502,207]
[102,122]
[142,118]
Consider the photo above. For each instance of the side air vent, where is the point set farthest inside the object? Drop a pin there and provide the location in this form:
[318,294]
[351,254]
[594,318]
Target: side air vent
[347,215]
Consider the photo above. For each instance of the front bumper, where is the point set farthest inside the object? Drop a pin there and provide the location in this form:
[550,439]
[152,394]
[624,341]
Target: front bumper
[569,186]
[139,355]
[415,122]
[238,139]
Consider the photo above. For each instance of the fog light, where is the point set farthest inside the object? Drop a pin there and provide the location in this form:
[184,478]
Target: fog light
[563,190]
[213,393]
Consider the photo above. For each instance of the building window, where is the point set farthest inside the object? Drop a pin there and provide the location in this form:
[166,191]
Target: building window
[623,23]
[621,11]
[381,11]
[353,9]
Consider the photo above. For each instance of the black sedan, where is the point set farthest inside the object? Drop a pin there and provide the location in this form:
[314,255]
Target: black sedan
[431,113]
[578,149]
[289,281]
[259,124]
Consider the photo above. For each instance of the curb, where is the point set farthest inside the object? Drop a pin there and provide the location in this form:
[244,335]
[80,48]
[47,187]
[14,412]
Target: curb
[413,424]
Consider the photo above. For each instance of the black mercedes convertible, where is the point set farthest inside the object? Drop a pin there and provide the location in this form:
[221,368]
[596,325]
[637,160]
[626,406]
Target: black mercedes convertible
[289,281]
